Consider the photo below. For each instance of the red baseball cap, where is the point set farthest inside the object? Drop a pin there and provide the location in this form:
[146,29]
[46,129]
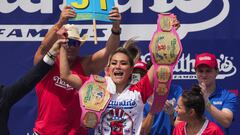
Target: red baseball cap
[206,59]
[141,65]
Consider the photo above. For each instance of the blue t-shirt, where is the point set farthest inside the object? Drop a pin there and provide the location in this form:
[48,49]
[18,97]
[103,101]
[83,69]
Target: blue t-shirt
[162,124]
[221,98]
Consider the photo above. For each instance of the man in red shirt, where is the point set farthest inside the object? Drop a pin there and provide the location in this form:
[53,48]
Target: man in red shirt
[58,103]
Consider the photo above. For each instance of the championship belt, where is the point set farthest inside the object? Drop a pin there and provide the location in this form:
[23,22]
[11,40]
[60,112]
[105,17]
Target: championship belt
[94,98]
[165,49]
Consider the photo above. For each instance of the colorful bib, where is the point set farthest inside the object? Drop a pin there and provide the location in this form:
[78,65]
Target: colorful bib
[165,49]
[94,98]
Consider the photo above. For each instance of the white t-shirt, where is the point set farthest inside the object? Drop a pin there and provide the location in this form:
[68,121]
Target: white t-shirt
[124,113]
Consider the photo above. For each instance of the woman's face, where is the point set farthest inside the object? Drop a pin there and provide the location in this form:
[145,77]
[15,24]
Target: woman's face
[120,69]
[182,113]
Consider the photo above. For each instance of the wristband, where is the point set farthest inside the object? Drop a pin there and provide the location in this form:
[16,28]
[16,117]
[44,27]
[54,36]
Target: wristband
[208,104]
[48,60]
[50,55]
[116,32]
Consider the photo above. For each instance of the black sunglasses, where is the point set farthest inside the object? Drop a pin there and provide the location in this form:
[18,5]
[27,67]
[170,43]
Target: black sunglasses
[73,42]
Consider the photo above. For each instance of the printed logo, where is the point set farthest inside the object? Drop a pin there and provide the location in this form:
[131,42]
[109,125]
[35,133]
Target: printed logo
[60,83]
[205,58]
[29,32]
[44,6]
[126,104]
[185,67]
[160,6]
[217,102]
[116,122]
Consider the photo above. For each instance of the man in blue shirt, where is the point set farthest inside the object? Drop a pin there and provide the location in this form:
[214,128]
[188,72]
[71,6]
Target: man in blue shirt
[221,105]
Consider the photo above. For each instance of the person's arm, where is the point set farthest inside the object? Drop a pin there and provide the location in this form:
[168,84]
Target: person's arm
[65,73]
[21,87]
[151,76]
[224,116]
[51,36]
[25,84]
[170,105]
[169,108]
[96,62]
[147,124]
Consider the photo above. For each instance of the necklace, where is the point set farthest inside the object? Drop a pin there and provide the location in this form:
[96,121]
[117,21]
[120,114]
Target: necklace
[194,130]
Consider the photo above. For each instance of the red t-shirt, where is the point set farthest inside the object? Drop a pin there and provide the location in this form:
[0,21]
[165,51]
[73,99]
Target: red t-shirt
[59,110]
[209,128]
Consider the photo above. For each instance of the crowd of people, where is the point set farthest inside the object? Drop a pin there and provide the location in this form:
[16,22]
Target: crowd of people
[59,73]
